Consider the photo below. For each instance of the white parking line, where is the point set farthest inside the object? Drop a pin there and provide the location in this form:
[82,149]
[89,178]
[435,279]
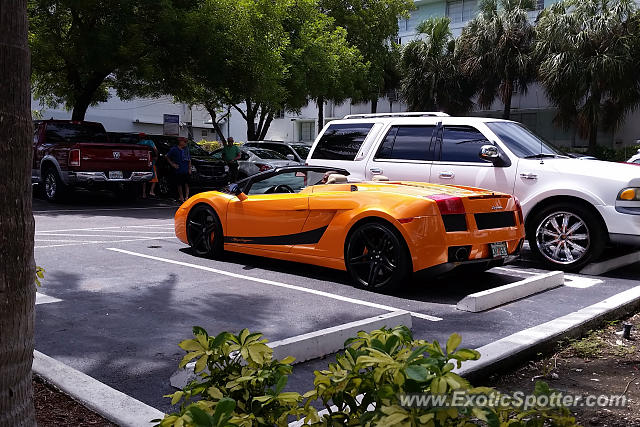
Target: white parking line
[104,242]
[47,233]
[45,299]
[107,209]
[278,284]
[115,236]
[168,225]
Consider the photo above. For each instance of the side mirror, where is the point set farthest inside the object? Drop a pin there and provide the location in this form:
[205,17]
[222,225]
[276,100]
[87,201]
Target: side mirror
[290,157]
[489,153]
[237,191]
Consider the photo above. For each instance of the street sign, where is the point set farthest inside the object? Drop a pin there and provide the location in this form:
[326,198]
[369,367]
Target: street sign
[171,124]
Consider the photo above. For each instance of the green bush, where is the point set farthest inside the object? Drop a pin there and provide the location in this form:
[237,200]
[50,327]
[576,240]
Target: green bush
[612,155]
[209,146]
[244,386]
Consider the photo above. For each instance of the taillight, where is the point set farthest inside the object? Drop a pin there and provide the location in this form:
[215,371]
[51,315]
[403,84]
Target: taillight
[519,210]
[263,167]
[74,157]
[448,205]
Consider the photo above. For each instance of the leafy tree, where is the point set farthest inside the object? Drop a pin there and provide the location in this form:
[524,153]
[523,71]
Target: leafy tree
[589,62]
[371,27]
[496,50]
[17,268]
[79,47]
[431,78]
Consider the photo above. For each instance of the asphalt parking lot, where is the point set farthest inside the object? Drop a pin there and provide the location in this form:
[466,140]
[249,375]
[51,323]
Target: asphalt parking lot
[121,291]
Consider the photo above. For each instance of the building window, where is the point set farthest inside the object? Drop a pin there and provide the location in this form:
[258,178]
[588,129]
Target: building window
[461,10]
[539,4]
[307,131]
[204,133]
[279,114]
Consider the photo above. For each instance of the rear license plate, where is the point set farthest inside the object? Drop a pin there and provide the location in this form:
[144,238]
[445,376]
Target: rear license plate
[499,249]
[115,175]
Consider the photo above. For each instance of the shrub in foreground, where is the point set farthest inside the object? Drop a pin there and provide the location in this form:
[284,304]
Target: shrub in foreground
[240,384]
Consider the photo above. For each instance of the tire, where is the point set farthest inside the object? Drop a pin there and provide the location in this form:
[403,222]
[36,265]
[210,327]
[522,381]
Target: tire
[53,187]
[376,257]
[204,232]
[128,192]
[164,185]
[580,234]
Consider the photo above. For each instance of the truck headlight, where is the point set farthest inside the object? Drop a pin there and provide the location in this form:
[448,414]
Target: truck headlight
[629,195]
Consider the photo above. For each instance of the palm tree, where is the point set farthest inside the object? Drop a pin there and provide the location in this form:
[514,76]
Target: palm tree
[589,62]
[430,78]
[496,51]
[17,288]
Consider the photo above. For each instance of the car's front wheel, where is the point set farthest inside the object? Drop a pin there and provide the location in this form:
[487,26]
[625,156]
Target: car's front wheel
[566,236]
[376,257]
[204,231]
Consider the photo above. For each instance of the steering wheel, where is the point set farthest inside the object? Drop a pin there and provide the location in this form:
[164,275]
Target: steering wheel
[283,188]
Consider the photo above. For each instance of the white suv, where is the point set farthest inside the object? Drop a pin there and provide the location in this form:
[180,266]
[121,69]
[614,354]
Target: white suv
[635,159]
[573,208]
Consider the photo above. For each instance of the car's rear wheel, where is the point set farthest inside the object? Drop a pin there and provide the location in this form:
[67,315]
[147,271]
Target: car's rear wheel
[204,231]
[54,188]
[566,236]
[376,257]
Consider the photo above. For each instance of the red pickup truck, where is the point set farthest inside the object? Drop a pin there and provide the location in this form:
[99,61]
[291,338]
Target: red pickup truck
[78,154]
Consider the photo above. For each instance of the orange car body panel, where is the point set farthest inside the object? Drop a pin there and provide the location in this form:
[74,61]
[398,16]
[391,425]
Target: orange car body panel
[312,226]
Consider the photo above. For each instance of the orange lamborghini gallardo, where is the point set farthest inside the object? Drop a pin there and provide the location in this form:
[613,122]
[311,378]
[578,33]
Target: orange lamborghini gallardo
[378,231]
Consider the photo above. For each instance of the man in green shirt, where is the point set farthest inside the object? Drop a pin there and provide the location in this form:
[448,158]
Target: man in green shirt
[230,154]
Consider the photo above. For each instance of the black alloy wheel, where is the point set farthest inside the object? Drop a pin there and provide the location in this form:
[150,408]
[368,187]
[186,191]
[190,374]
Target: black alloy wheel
[376,257]
[204,232]
[53,185]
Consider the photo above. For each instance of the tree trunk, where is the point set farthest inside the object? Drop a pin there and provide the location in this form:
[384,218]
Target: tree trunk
[374,105]
[17,288]
[593,138]
[508,96]
[265,126]
[214,121]
[320,102]
[251,121]
[85,96]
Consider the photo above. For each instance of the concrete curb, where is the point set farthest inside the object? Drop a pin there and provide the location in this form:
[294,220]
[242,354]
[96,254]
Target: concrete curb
[314,344]
[511,351]
[602,267]
[481,301]
[112,404]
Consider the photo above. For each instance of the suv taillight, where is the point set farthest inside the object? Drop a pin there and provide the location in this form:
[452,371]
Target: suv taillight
[74,157]
[263,167]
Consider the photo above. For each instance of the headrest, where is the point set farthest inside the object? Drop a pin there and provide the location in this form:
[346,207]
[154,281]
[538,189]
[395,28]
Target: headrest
[336,178]
[379,178]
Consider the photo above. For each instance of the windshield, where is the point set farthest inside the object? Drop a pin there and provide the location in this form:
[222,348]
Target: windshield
[522,142]
[267,154]
[302,150]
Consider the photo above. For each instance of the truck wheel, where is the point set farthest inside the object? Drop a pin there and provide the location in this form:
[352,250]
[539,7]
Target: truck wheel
[566,236]
[127,192]
[54,188]
[163,185]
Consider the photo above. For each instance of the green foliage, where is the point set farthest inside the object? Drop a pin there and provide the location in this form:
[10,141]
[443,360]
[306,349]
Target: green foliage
[210,146]
[39,275]
[589,62]
[431,80]
[613,155]
[496,51]
[241,385]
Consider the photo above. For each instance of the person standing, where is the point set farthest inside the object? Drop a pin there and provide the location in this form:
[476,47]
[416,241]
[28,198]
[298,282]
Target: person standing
[143,140]
[179,158]
[230,154]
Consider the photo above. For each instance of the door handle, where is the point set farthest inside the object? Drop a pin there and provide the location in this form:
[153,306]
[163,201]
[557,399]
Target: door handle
[528,176]
[376,171]
[447,175]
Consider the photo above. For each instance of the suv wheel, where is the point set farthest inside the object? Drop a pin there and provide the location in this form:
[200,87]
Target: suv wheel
[53,186]
[566,236]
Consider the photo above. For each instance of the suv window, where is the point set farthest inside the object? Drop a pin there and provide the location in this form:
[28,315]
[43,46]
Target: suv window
[407,143]
[462,144]
[72,132]
[342,141]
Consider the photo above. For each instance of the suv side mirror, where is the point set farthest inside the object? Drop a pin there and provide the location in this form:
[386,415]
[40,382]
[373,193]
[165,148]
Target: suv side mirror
[491,153]
[290,157]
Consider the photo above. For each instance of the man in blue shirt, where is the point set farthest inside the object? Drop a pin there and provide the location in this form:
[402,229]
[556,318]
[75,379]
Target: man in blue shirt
[179,158]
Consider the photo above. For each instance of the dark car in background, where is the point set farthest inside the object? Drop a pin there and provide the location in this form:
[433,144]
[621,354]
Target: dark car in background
[207,172]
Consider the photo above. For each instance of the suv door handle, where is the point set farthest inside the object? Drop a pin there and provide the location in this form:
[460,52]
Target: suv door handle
[528,176]
[376,170]
[447,175]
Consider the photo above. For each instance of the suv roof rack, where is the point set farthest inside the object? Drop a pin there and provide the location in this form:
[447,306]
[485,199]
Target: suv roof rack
[408,114]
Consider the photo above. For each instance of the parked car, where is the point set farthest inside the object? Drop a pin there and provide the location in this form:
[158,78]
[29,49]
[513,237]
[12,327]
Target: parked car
[69,154]
[379,232]
[573,208]
[635,159]
[297,152]
[254,160]
[207,171]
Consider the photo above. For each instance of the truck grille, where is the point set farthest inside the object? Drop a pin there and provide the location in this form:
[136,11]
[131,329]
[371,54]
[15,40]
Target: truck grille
[211,170]
[486,221]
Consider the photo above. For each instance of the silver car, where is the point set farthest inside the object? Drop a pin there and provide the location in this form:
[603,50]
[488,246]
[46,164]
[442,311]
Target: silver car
[295,151]
[254,160]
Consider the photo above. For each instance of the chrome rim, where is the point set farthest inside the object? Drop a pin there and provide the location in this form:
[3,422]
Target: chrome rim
[373,255]
[201,227]
[50,186]
[563,238]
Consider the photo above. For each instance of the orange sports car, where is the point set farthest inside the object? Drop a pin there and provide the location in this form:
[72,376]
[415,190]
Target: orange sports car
[378,231]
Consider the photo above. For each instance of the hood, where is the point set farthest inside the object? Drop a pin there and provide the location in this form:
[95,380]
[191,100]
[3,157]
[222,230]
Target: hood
[206,160]
[622,173]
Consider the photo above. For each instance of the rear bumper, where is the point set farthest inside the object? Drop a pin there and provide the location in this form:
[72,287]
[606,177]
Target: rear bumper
[72,178]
